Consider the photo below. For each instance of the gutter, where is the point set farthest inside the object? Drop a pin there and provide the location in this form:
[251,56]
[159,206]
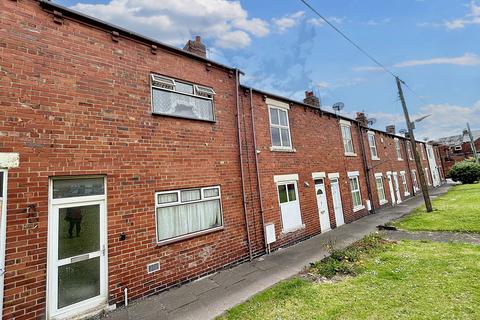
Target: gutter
[365,167]
[240,148]
[258,171]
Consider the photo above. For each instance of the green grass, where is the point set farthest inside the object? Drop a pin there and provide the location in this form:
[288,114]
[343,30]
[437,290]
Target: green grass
[407,280]
[457,210]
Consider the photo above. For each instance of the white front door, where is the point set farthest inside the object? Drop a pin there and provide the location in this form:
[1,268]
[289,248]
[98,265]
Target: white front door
[390,187]
[77,276]
[337,201]
[3,229]
[322,205]
[289,205]
[397,187]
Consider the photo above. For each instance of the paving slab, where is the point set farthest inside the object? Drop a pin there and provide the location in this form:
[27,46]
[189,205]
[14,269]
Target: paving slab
[210,296]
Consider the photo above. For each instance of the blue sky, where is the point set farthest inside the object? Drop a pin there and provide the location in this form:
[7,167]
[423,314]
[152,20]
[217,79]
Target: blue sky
[434,45]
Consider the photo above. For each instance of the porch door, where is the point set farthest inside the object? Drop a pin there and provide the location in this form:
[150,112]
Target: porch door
[322,205]
[289,206]
[3,222]
[390,187]
[337,201]
[77,248]
[397,187]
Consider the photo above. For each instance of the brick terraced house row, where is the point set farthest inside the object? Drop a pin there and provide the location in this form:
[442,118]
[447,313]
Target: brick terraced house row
[126,163]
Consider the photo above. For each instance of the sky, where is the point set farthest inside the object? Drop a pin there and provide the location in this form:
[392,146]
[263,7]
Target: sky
[284,48]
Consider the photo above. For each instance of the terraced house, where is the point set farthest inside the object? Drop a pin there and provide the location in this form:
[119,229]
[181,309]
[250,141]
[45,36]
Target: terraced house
[130,166]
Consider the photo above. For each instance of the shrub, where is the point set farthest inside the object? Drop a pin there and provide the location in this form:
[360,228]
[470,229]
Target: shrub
[465,172]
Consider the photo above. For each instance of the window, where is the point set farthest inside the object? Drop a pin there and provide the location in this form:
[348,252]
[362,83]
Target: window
[409,150]
[279,128]
[404,183]
[415,181]
[355,189]
[380,190]
[82,187]
[182,99]
[185,213]
[458,148]
[347,138]
[373,146]
[397,147]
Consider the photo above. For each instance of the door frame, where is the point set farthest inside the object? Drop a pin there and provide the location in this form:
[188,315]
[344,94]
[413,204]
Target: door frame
[326,204]
[391,188]
[397,187]
[286,183]
[332,177]
[93,304]
[3,237]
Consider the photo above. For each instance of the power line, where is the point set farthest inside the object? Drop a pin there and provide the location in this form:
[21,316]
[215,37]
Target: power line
[368,55]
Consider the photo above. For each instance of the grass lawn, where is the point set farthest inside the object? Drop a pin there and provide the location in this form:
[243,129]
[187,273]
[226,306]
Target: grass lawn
[457,210]
[405,280]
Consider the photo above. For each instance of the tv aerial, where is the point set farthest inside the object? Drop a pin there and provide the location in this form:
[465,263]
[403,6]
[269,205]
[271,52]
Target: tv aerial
[372,121]
[338,106]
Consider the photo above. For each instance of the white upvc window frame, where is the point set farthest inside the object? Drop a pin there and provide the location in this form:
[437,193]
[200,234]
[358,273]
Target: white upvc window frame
[379,177]
[398,148]
[373,145]
[179,202]
[409,150]
[279,107]
[348,147]
[355,175]
[406,192]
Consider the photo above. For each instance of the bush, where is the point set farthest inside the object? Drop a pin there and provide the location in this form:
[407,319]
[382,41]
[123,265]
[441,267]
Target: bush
[466,172]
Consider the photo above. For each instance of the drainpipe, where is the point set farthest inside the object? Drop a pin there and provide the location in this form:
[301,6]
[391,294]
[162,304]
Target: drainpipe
[258,170]
[240,148]
[365,167]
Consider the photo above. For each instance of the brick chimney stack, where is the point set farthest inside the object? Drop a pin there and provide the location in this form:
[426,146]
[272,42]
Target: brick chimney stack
[196,47]
[362,119]
[390,129]
[311,99]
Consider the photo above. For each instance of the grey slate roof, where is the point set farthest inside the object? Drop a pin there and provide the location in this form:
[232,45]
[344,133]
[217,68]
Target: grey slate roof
[459,139]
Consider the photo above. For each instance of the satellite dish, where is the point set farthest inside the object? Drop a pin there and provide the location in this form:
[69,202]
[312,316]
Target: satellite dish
[338,106]
[403,131]
[372,121]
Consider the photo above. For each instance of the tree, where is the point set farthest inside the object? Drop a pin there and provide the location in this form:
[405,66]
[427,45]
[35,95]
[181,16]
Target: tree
[466,172]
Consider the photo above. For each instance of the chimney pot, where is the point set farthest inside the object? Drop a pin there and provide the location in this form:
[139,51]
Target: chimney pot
[390,129]
[311,99]
[362,119]
[196,47]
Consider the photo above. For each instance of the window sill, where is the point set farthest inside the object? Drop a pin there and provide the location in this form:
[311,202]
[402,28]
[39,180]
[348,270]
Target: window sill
[188,236]
[358,208]
[350,154]
[407,194]
[399,159]
[375,158]
[285,231]
[382,202]
[280,149]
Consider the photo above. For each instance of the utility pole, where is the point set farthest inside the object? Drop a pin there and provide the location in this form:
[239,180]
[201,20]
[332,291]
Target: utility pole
[421,173]
[472,144]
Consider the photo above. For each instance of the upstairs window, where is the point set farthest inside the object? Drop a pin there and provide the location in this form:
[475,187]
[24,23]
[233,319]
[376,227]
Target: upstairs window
[373,146]
[182,99]
[397,147]
[279,128]
[409,150]
[347,138]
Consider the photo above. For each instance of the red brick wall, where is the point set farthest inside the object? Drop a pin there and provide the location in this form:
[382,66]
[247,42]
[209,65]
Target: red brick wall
[73,102]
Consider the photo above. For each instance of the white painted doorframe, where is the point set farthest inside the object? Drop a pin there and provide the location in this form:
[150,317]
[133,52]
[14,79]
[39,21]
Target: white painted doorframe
[337,201]
[3,233]
[92,304]
[322,205]
[397,187]
[390,187]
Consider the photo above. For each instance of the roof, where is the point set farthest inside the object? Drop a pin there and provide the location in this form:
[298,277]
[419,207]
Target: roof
[75,15]
[457,140]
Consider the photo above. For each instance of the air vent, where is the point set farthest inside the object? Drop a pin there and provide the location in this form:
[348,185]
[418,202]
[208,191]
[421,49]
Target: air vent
[153,267]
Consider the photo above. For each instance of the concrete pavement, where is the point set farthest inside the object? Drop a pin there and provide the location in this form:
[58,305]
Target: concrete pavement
[210,296]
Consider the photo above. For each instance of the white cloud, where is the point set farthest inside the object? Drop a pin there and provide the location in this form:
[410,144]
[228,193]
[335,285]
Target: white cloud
[445,120]
[374,23]
[468,59]
[224,22]
[472,17]
[320,22]
[288,21]
[340,84]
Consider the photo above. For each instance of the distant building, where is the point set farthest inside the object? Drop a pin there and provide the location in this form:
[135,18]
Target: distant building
[457,148]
